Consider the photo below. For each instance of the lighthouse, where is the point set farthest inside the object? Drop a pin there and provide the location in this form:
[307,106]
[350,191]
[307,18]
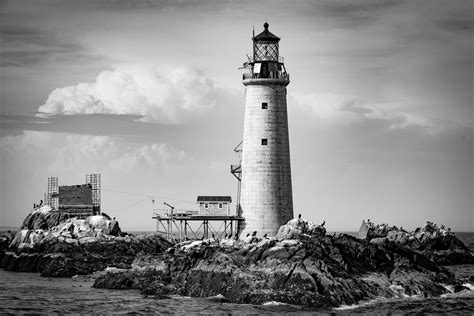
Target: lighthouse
[266,200]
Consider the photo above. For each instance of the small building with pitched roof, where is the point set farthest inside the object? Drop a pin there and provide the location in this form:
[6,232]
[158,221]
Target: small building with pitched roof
[214,205]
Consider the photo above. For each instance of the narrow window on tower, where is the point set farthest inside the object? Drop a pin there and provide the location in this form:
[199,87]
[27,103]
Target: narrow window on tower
[264,105]
[264,141]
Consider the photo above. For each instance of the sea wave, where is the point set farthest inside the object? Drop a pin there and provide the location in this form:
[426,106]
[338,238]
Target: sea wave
[381,300]
[462,301]
[469,286]
[274,303]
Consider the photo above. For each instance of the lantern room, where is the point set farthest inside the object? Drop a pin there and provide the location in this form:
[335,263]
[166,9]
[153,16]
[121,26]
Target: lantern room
[266,62]
[265,46]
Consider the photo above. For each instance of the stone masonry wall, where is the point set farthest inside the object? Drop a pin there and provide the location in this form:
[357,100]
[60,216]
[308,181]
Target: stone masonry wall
[266,195]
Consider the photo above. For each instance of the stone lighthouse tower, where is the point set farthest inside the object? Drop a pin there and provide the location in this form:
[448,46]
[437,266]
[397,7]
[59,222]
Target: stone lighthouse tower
[266,200]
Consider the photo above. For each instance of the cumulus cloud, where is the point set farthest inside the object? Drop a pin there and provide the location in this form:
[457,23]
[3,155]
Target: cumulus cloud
[347,109]
[63,152]
[158,96]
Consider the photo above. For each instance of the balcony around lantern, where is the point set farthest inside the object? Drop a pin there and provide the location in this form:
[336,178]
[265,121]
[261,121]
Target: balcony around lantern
[279,79]
[281,59]
[269,75]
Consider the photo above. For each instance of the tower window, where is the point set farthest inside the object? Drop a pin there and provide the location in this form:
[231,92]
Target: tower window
[264,141]
[264,105]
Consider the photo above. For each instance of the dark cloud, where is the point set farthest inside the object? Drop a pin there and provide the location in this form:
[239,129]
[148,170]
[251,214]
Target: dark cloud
[90,124]
[457,25]
[119,5]
[128,128]
[354,13]
[23,46]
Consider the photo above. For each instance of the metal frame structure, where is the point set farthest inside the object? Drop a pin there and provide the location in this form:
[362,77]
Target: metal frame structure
[236,171]
[52,195]
[178,229]
[94,181]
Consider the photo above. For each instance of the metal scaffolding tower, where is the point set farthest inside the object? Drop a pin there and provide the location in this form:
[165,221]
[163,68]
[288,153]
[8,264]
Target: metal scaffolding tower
[51,197]
[94,181]
[178,229]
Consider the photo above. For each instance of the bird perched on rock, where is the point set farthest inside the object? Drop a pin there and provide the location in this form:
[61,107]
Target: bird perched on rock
[265,236]
[254,234]
[322,225]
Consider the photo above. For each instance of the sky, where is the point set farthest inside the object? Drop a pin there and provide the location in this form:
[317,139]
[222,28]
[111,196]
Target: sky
[149,94]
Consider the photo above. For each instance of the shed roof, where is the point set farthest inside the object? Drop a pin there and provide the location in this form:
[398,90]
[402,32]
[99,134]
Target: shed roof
[214,198]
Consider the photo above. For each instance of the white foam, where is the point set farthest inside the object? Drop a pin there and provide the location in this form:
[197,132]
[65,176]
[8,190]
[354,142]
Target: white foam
[346,307]
[379,300]
[399,290]
[469,286]
[274,303]
[450,288]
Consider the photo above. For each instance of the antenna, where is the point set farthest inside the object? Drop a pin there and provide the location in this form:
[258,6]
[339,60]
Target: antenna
[253,31]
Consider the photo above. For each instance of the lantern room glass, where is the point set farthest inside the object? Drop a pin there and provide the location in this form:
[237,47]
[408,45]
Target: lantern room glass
[265,50]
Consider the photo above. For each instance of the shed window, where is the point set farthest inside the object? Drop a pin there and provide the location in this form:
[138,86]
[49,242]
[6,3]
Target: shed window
[206,205]
[220,205]
[264,141]
[264,105]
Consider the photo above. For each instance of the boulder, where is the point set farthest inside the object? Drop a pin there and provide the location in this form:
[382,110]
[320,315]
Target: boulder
[300,228]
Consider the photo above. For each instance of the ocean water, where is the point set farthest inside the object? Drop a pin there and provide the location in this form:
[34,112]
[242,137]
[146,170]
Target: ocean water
[30,293]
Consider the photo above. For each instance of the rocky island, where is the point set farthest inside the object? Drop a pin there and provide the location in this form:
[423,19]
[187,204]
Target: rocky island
[302,265]
[57,246]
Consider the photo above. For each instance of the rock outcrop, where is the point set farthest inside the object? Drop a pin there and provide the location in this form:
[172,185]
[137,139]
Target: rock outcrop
[55,257]
[73,246]
[314,270]
[299,229]
[5,240]
[436,242]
